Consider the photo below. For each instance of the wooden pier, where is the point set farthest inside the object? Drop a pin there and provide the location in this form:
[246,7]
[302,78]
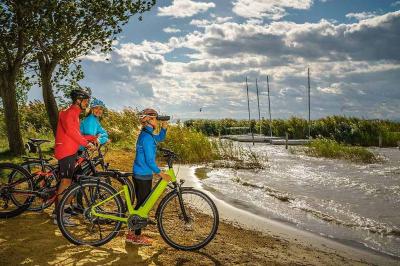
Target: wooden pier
[266,139]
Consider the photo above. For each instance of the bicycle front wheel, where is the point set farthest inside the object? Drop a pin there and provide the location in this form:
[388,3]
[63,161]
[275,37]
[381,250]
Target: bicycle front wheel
[188,223]
[83,228]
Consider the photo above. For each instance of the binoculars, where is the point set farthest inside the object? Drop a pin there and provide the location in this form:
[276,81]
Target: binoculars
[163,117]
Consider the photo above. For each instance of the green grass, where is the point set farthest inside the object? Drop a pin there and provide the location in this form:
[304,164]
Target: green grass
[331,149]
[47,148]
[236,156]
[190,145]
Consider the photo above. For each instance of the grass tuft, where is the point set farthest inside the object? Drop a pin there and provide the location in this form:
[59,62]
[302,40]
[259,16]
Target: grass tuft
[328,148]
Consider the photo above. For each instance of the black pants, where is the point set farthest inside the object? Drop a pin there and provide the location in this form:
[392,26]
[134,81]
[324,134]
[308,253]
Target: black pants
[142,191]
[67,166]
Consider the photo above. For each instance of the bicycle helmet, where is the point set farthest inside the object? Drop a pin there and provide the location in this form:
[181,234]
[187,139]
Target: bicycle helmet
[97,102]
[79,94]
[147,113]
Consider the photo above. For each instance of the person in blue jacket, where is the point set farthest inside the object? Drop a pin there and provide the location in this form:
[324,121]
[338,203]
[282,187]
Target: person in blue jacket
[145,164]
[91,124]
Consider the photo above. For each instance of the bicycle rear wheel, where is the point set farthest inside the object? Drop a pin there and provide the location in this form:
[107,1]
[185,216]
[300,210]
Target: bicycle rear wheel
[190,224]
[45,182]
[89,230]
[15,196]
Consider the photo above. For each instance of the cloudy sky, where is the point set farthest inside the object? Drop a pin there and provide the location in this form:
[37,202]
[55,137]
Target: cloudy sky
[187,54]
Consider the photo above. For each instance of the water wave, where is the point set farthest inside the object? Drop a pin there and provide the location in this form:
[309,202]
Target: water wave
[357,223]
[270,191]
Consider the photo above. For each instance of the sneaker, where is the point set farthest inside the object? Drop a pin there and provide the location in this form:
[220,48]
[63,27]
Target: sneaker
[68,210]
[138,240]
[77,208]
[71,211]
[66,222]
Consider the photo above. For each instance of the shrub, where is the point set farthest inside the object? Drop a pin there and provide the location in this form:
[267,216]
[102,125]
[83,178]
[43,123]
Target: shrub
[331,149]
[191,146]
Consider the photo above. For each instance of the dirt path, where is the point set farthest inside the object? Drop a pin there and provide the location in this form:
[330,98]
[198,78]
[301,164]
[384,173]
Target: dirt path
[32,239]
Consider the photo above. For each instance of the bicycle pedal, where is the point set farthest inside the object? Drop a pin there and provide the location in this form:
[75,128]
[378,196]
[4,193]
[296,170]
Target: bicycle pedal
[151,222]
[136,222]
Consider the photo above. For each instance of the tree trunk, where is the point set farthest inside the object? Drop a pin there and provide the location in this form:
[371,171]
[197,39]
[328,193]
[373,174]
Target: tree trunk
[46,71]
[9,97]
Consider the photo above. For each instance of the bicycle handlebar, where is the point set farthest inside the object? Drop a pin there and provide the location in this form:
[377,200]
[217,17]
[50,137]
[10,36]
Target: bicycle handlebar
[168,152]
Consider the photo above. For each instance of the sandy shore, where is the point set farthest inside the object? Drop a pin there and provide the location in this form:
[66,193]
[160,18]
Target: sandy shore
[243,238]
[32,239]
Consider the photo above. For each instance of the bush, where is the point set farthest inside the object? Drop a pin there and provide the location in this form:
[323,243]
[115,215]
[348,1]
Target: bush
[122,127]
[191,146]
[331,149]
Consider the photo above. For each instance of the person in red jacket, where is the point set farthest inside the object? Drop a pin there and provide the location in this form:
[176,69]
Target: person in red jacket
[68,140]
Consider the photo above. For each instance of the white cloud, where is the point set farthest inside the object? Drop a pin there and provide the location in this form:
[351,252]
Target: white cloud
[222,19]
[255,21]
[362,15]
[369,39]
[271,9]
[96,57]
[397,3]
[171,30]
[205,22]
[352,65]
[333,89]
[200,22]
[184,8]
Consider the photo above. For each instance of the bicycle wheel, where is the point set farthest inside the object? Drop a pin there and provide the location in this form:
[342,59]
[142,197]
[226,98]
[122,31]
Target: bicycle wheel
[46,182]
[89,230]
[15,196]
[200,225]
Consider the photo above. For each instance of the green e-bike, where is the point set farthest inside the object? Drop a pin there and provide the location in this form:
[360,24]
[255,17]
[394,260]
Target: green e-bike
[187,218]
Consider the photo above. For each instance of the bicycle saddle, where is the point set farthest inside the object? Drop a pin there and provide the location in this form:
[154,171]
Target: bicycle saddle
[38,141]
[125,174]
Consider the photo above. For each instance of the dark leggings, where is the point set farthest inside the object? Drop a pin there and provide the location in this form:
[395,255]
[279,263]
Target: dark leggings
[142,191]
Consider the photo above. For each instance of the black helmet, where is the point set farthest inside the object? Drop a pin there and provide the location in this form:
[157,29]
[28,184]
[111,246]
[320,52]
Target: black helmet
[79,94]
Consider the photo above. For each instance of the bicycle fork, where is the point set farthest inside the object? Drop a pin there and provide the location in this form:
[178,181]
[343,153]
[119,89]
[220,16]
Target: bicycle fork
[180,198]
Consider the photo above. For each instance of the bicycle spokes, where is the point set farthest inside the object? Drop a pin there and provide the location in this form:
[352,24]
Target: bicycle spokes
[188,222]
[89,229]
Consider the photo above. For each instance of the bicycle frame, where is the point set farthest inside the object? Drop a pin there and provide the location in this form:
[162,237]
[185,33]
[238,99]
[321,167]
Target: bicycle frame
[144,209]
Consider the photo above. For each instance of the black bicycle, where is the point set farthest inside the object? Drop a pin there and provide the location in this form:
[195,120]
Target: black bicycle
[33,185]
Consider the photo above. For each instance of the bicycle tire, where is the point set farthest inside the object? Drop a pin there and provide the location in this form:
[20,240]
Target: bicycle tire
[49,167]
[71,192]
[165,235]
[20,207]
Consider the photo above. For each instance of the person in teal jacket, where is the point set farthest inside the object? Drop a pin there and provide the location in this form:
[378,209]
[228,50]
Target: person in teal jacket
[91,124]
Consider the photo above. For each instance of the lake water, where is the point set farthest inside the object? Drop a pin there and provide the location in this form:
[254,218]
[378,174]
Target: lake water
[358,204]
